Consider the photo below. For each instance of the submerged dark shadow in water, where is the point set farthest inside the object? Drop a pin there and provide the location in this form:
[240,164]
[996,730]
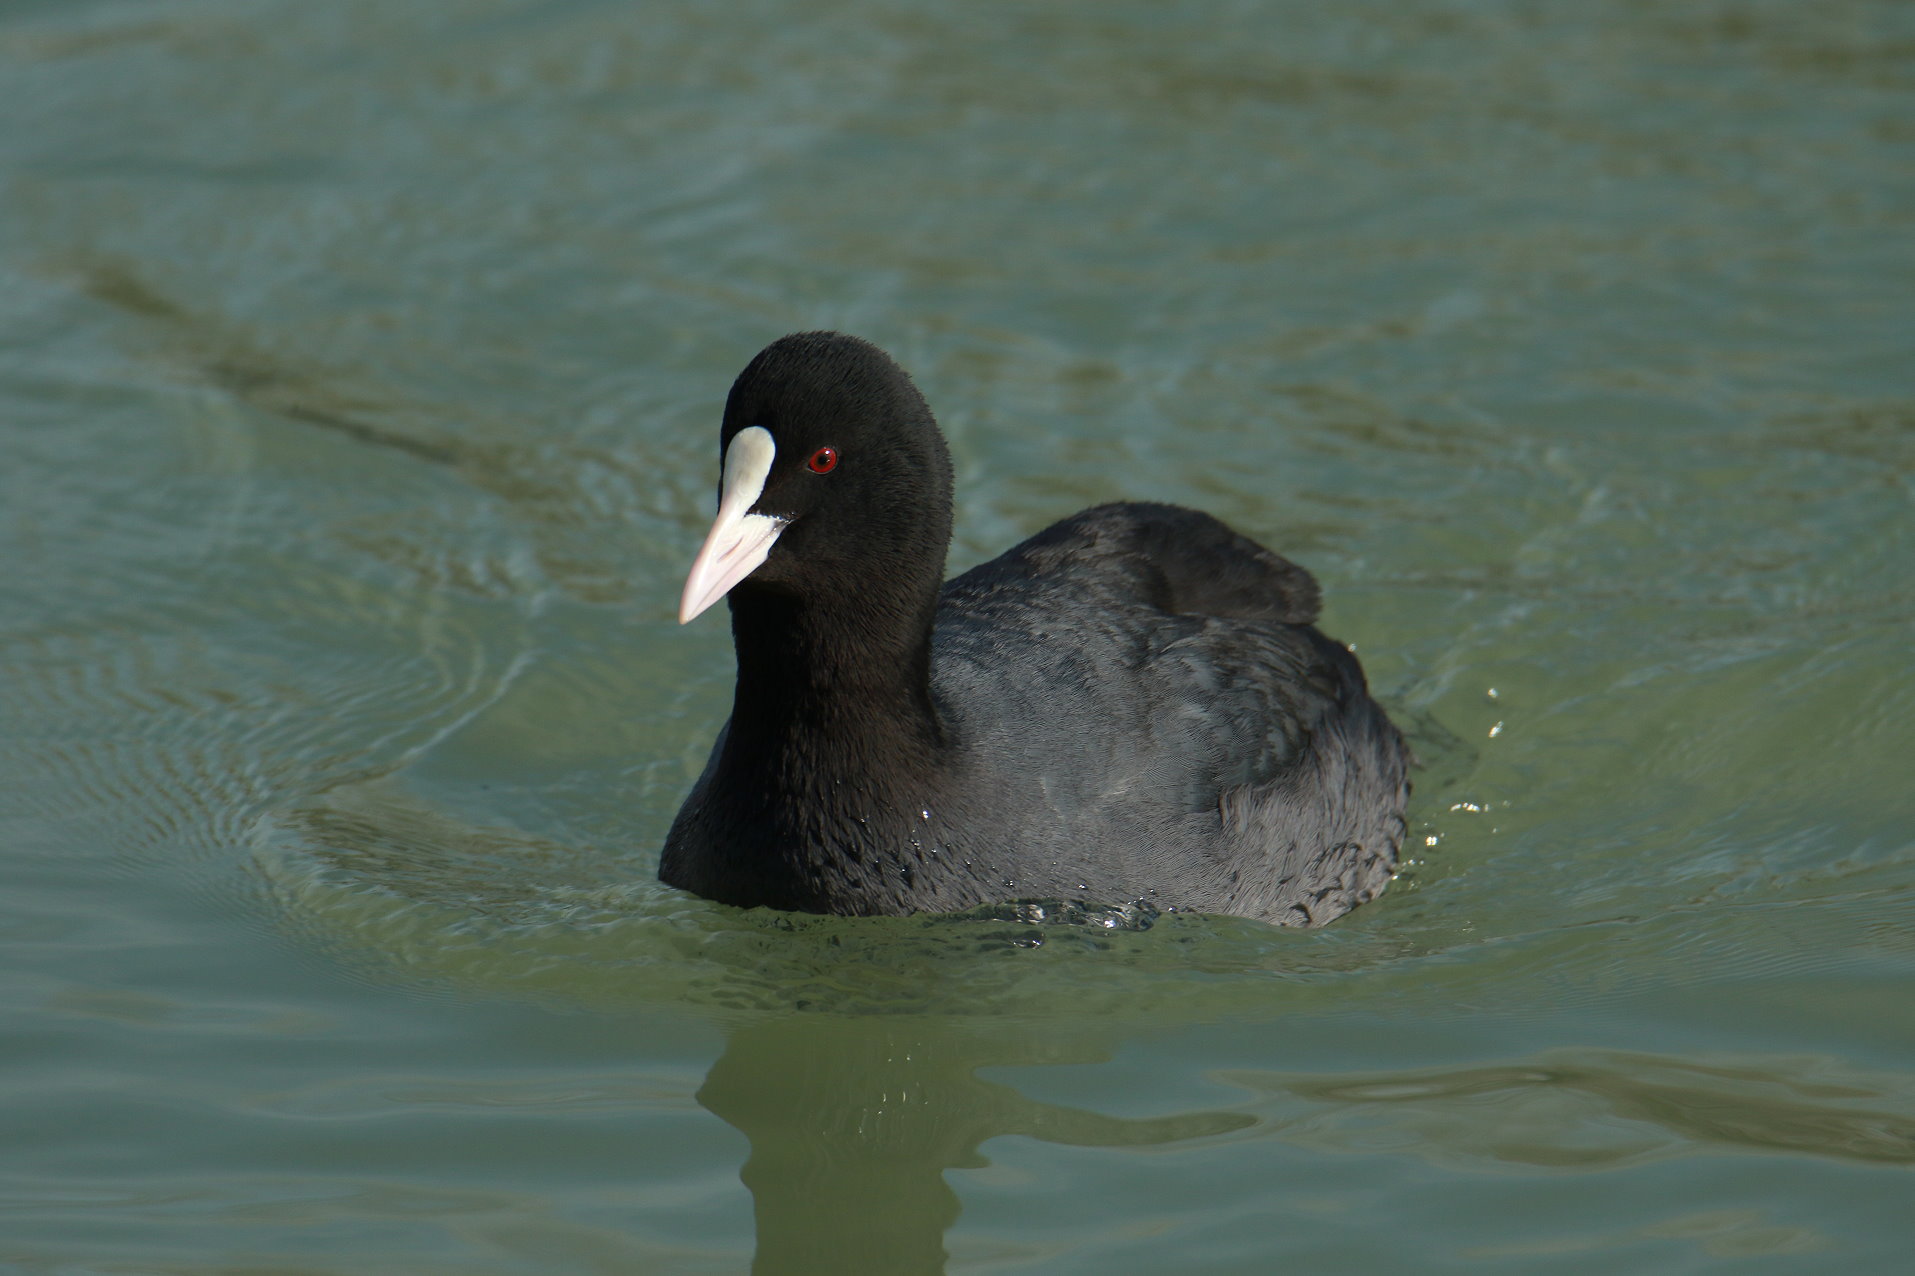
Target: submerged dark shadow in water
[853,1122]
[1584,1109]
[214,351]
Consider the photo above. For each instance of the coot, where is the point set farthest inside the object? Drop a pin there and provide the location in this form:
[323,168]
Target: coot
[1132,705]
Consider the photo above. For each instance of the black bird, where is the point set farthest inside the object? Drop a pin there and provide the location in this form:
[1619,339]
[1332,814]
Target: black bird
[1132,705]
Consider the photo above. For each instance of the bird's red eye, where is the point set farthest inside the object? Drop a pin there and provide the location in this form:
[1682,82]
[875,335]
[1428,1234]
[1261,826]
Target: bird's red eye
[824,460]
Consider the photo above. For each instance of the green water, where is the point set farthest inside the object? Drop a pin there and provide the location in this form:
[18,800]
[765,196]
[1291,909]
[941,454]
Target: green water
[360,368]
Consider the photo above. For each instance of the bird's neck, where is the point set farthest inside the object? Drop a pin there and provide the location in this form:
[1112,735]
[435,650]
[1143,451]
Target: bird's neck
[839,690]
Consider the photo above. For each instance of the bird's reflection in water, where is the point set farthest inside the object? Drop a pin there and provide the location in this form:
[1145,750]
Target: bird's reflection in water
[853,1121]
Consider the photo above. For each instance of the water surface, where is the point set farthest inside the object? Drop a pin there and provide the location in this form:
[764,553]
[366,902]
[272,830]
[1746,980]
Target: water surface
[360,369]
